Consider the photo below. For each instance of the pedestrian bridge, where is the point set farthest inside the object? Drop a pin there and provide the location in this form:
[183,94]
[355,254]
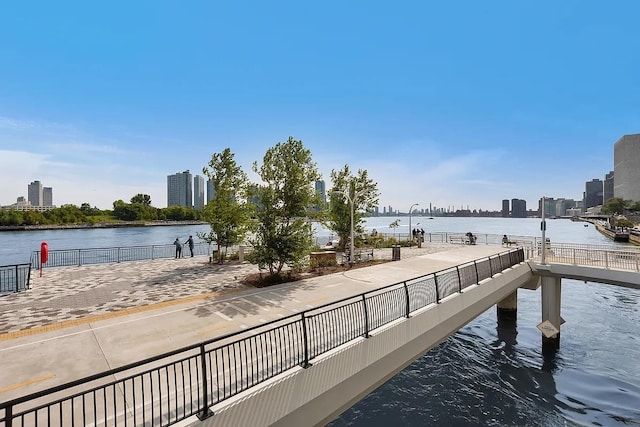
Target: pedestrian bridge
[307,368]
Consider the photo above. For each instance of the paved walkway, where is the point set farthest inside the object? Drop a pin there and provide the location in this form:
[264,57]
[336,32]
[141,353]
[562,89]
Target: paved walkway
[76,321]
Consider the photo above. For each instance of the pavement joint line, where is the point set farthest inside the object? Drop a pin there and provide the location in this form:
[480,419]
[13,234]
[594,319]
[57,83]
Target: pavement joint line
[106,316]
[26,383]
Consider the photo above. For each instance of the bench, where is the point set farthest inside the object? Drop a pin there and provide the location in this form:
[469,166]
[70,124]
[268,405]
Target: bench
[509,243]
[458,239]
[359,255]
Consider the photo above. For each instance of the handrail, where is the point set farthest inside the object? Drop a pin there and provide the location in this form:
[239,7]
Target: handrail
[15,278]
[84,256]
[193,378]
[608,259]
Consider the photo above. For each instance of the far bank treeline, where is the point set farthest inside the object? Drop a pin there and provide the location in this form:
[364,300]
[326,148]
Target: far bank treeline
[271,215]
[139,209]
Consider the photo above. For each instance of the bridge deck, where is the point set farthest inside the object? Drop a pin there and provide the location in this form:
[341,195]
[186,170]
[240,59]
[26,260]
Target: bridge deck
[76,321]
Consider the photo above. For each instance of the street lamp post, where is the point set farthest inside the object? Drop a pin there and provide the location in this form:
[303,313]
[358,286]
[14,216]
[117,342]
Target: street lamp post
[411,235]
[351,202]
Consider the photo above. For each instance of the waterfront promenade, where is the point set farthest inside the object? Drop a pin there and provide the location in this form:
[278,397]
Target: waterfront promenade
[77,321]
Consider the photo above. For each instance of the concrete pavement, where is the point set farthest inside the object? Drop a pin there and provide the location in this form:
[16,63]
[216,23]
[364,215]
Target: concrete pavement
[77,321]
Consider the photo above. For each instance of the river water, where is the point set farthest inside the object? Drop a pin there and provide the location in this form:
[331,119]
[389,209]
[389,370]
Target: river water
[488,373]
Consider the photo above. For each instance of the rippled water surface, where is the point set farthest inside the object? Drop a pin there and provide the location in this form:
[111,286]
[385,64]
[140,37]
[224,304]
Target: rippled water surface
[491,374]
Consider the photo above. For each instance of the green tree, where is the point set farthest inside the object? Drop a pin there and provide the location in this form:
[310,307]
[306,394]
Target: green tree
[228,213]
[143,199]
[615,205]
[362,190]
[395,224]
[283,235]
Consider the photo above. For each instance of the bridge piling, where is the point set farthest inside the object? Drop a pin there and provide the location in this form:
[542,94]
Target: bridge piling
[507,309]
[551,298]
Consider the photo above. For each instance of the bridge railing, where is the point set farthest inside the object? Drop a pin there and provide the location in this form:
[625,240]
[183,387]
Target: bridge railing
[606,257]
[77,257]
[168,388]
[14,278]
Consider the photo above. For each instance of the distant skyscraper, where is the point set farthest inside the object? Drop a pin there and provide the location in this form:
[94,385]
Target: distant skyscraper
[593,193]
[626,167]
[47,196]
[211,192]
[321,192]
[198,192]
[608,187]
[34,193]
[179,189]
[518,208]
[505,208]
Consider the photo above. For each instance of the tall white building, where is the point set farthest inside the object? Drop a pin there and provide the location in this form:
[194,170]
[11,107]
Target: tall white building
[35,194]
[179,189]
[198,192]
[626,168]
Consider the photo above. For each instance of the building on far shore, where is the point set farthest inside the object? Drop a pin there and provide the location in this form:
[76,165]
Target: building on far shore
[179,189]
[626,168]
[25,205]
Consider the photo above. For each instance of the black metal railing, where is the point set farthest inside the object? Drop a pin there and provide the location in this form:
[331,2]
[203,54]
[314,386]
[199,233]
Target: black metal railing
[14,278]
[168,388]
[77,257]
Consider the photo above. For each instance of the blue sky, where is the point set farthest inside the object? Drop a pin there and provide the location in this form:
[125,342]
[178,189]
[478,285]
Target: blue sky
[459,103]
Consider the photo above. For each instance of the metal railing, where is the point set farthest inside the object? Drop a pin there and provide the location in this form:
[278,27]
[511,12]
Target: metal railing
[442,237]
[14,278]
[602,257]
[168,388]
[77,257]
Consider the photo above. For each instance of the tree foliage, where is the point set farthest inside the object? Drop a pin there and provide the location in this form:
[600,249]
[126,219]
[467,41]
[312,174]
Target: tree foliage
[615,206]
[143,199]
[362,190]
[228,213]
[285,201]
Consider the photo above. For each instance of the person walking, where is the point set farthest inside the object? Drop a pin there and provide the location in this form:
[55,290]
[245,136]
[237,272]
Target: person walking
[190,243]
[178,248]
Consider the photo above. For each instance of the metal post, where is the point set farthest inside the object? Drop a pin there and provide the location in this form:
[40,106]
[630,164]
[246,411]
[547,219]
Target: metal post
[459,281]
[205,411]
[543,226]
[435,280]
[410,233]
[305,362]
[366,317]
[406,293]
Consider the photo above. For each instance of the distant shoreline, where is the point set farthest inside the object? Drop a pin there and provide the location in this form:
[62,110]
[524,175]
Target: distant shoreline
[94,226]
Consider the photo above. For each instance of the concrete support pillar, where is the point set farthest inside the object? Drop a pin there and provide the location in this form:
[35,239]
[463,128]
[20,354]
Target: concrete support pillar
[551,292]
[241,253]
[507,309]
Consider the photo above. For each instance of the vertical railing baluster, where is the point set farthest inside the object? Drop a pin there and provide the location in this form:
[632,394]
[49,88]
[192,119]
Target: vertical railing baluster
[17,281]
[459,281]
[406,294]
[205,411]
[435,280]
[477,275]
[305,363]
[366,316]
[490,267]
[8,416]
[606,260]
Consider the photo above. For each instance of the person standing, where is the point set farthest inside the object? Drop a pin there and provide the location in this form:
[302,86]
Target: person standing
[190,243]
[178,248]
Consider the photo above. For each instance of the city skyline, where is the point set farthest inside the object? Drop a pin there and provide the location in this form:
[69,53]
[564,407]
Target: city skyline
[437,105]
